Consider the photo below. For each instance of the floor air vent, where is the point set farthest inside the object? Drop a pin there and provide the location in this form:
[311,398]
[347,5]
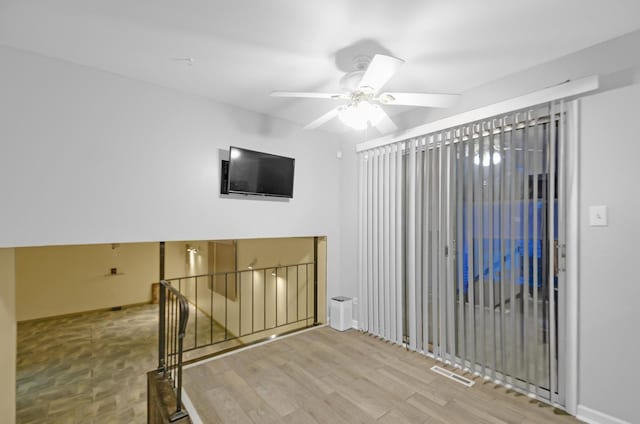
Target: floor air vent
[453,376]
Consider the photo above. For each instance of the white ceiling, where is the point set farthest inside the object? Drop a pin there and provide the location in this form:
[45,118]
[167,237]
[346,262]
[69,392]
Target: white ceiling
[243,49]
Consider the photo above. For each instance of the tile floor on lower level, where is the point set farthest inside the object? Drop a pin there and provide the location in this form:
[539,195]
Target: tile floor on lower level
[86,368]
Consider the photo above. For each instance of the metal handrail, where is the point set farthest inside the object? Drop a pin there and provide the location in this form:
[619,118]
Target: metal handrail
[238,271]
[261,303]
[174,311]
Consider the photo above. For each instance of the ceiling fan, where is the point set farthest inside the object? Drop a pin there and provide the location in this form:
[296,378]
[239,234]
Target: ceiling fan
[361,89]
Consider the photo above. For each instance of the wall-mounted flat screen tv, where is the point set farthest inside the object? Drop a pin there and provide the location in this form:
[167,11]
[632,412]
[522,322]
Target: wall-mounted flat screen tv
[252,172]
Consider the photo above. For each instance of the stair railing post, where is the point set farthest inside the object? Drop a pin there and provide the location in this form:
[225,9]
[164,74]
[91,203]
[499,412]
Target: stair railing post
[315,281]
[183,310]
[161,329]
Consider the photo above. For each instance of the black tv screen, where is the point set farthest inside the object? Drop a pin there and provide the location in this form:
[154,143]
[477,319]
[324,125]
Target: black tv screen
[252,172]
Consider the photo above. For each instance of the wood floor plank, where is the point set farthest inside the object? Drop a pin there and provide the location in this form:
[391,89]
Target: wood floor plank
[321,410]
[241,391]
[373,400]
[325,376]
[299,416]
[226,406]
[428,407]
[205,377]
[491,410]
[264,415]
[477,411]
[346,409]
[336,381]
[384,379]
[446,414]
[276,396]
[406,412]
[206,410]
[306,379]
[395,417]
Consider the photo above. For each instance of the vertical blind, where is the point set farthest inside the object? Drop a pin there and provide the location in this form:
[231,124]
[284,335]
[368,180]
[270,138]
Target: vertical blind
[380,245]
[458,234]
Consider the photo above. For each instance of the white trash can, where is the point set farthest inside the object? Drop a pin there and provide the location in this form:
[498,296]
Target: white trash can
[341,310]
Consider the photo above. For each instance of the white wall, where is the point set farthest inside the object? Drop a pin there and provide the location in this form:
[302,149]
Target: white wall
[609,288]
[611,60]
[89,157]
[349,224]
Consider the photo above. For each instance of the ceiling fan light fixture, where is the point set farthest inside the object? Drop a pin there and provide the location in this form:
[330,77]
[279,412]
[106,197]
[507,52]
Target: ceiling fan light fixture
[350,116]
[360,114]
[386,98]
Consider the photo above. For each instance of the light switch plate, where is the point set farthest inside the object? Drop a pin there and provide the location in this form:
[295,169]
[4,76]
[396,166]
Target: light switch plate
[598,216]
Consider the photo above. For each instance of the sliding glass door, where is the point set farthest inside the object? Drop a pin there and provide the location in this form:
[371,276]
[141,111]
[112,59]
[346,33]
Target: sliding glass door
[506,233]
[473,220]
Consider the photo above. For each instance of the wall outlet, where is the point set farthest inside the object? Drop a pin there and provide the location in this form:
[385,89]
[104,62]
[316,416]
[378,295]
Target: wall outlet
[355,300]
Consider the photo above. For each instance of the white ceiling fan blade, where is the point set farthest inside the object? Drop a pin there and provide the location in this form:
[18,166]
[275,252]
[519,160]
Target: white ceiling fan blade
[385,125]
[310,95]
[323,119]
[419,99]
[380,70]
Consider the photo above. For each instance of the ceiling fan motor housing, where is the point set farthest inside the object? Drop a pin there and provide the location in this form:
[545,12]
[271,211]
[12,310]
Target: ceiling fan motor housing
[351,80]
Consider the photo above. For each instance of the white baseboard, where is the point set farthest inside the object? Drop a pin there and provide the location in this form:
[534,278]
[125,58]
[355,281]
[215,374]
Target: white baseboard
[354,324]
[592,416]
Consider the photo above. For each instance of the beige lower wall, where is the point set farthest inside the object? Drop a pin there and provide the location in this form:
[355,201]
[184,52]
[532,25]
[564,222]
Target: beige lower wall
[180,263]
[266,252]
[8,336]
[58,280]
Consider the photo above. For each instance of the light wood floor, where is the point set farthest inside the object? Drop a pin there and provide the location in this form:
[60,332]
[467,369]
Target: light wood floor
[325,376]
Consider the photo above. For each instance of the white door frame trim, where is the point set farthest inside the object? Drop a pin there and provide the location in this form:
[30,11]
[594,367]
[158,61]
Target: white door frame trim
[572,223]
